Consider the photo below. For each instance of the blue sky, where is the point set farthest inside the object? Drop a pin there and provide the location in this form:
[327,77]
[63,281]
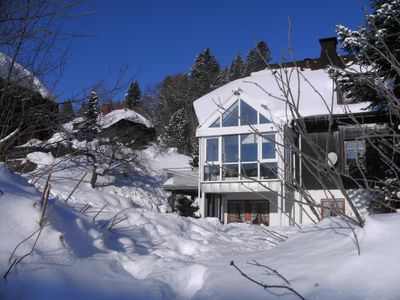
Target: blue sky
[156,38]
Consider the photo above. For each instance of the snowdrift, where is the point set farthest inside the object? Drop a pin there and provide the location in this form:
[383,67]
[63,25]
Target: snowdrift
[131,250]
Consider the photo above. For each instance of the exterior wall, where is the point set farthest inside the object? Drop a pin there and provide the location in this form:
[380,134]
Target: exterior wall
[358,196]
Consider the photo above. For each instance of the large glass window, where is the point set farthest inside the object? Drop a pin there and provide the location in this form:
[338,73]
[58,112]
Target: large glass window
[249,170]
[248,115]
[230,156]
[230,151]
[269,170]
[230,171]
[211,173]
[212,149]
[216,123]
[231,116]
[248,147]
[254,211]
[355,155]
[263,120]
[239,157]
[268,146]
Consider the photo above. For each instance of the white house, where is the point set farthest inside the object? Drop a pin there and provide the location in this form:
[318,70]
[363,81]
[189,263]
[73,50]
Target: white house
[241,138]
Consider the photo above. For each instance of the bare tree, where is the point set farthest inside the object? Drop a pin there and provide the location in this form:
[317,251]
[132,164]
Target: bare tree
[30,36]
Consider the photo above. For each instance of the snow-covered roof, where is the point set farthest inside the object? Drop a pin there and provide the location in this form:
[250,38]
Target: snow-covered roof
[182,180]
[22,77]
[123,114]
[313,89]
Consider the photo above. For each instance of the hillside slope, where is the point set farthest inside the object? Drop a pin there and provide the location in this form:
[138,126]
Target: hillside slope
[131,250]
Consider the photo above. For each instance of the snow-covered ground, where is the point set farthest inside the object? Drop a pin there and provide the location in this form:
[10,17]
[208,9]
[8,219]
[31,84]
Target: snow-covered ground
[133,250]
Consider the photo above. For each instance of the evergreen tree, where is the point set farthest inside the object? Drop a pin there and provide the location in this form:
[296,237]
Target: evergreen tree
[204,74]
[173,94]
[258,58]
[185,206]
[134,96]
[223,77]
[178,131]
[91,115]
[376,47]
[237,69]
[66,112]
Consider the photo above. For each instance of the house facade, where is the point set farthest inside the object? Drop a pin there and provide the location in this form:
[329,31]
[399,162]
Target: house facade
[249,161]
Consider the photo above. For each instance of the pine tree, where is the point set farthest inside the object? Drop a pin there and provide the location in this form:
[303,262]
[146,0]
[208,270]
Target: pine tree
[177,131]
[134,96]
[237,69]
[66,112]
[222,78]
[258,58]
[91,115]
[185,206]
[204,74]
[376,47]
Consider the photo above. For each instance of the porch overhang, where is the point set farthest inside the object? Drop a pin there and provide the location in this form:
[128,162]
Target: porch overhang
[241,187]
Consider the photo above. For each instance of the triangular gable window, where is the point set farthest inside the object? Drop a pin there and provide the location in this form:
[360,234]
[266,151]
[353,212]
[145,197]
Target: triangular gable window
[217,123]
[231,116]
[248,116]
[264,120]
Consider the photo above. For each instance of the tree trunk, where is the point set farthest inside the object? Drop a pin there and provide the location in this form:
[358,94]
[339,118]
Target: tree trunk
[94,177]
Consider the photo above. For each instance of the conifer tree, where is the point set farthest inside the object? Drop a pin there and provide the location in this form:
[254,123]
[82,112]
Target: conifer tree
[133,96]
[186,207]
[258,58]
[376,78]
[376,47]
[178,131]
[223,77]
[237,68]
[66,112]
[91,115]
[204,74]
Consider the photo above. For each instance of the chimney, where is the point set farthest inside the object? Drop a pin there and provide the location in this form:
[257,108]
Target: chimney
[329,55]
[106,108]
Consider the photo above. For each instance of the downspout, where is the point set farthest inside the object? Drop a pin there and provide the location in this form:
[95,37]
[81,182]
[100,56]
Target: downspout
[199,173]
[300,181]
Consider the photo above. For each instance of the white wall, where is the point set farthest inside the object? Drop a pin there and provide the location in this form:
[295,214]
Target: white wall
[358,197]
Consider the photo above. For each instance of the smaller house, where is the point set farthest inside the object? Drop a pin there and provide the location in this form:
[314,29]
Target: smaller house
[129,126]
[183,181]
[27,106]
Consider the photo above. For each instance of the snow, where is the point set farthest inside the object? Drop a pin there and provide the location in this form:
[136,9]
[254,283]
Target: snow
[22,76]
[123,114]
[187,178]
[149,254]
[40,158]
[267,90]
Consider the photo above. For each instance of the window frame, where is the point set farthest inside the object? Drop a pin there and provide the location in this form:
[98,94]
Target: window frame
[342,206]
[347,149]
[240,163]
[239,116]
[212,163]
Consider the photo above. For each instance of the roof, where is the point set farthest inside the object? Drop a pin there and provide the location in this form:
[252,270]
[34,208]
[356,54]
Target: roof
[182,179]
[123,114]
[22,77]
[313,89]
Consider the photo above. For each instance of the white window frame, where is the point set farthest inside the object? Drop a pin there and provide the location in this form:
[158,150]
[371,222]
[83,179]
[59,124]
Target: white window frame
[213,162]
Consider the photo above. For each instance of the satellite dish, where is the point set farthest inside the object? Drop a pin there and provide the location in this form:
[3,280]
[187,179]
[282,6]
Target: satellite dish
[332,159]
